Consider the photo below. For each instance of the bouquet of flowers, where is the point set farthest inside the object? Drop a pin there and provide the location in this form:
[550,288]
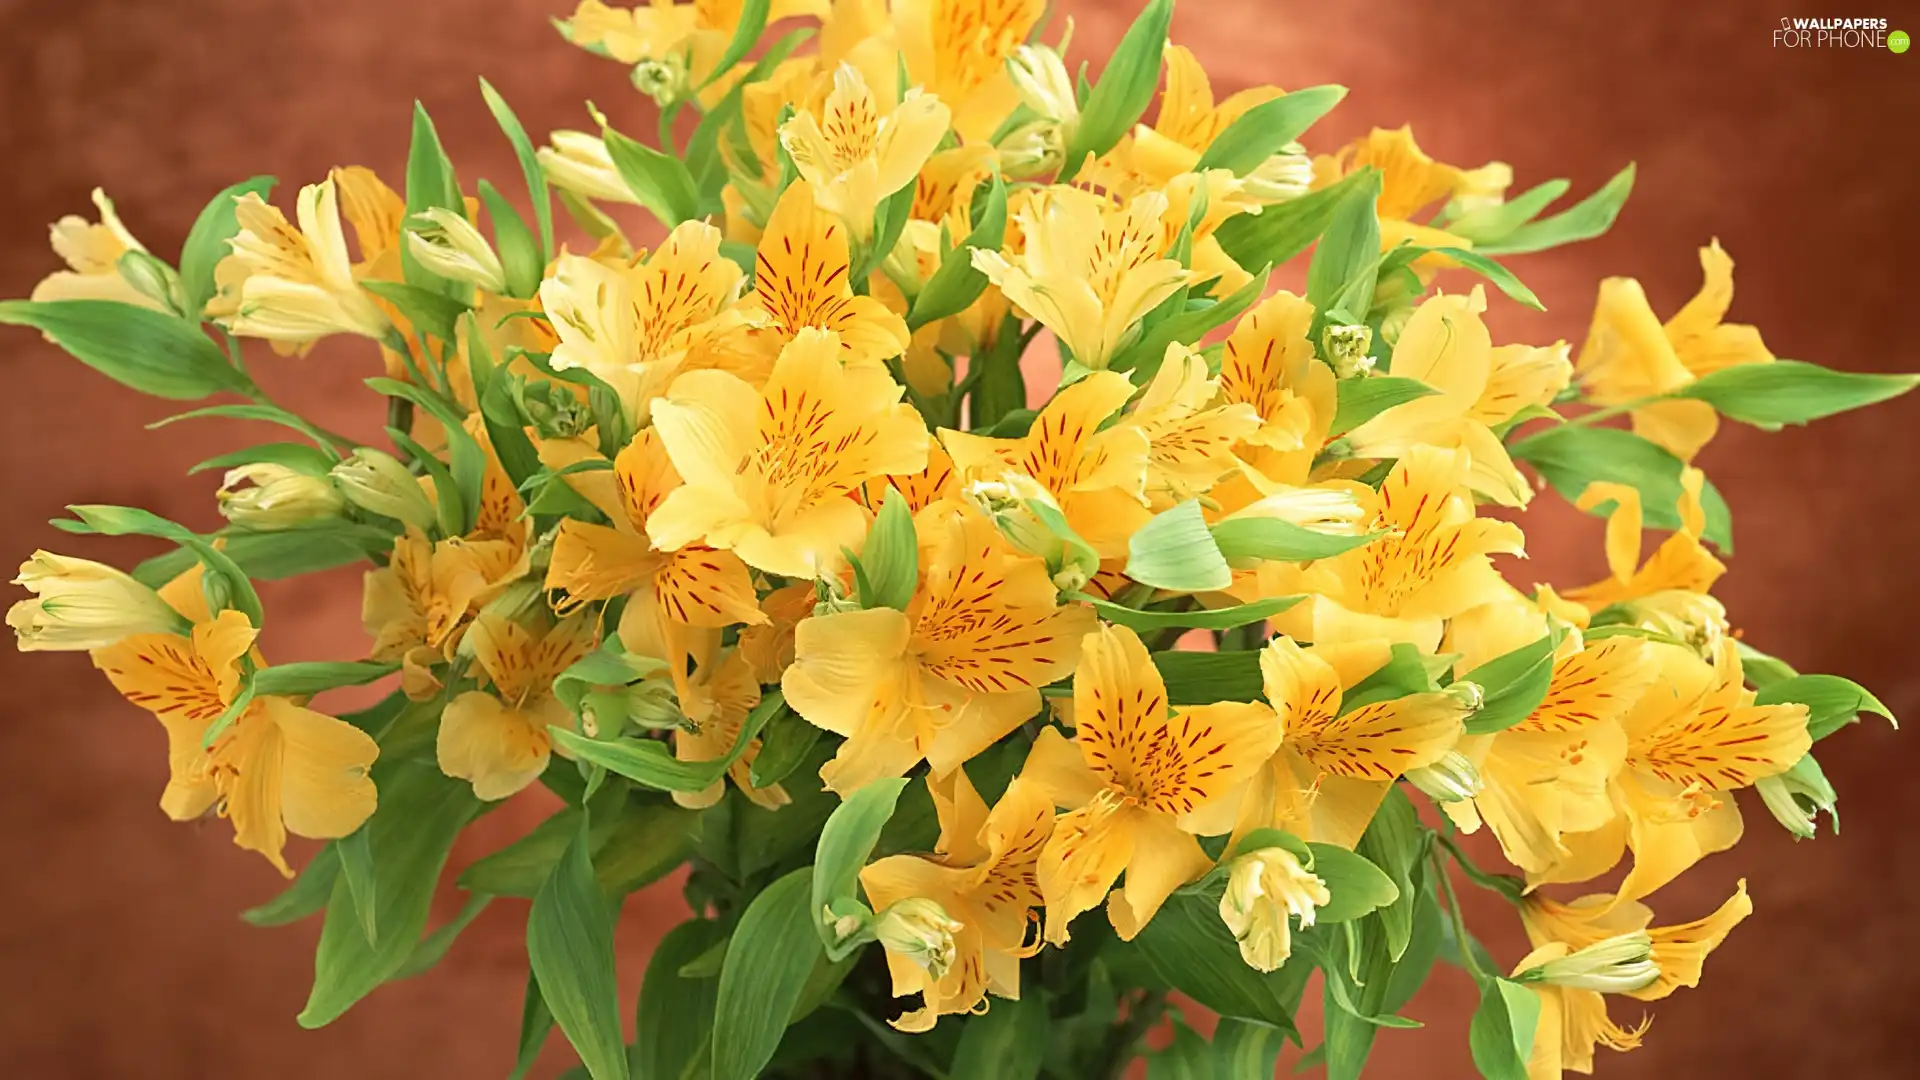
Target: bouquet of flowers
[979,700]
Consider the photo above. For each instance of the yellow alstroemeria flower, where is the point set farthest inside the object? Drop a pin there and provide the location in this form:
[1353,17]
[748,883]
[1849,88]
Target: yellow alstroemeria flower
[983,876]
[946,678]
[958,49]
[937,482]
[1693,738]
[293,286]
[637,325]
[416,606]
[1446,346]
[1333,768]
[497,740]
[1432,565]
[1573,1019]
[279,768]
[578,161]
[721,692]
[802,281]
[92,253]
[855,157]
[1089,270]
[1681,564]
[81,604]
[1190,120]
[1189,440]
[1138,783]
[1629,355]
[675,48]
[1098,477]
[1411,181]
[768,472]
[1269,364]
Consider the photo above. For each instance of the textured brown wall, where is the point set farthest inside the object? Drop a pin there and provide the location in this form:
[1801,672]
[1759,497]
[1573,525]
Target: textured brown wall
[118,940]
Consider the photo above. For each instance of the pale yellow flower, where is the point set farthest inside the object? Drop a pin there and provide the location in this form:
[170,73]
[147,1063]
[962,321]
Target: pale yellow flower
[288,285]
[92,253]
[81,604]
[854,156]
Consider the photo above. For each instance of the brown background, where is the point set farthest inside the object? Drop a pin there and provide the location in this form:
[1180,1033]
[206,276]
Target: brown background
[120,950]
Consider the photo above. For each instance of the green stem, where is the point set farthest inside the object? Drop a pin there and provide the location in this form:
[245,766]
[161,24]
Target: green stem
[1460,936]
[258,396]
[1506,885]
[1588,419]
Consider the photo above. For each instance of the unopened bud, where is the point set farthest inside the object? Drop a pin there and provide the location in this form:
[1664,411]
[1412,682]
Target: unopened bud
[664,80]
[1696,619]
[1264,888]
[81,604]
[921,931]
[1034,149]
[1796,796]
[379,484]
[446,243]
[1346,348]
[1044,85]
[578,162]
[276,497]
[1286,175]
[1451,779]
[151,278]
[1616,965]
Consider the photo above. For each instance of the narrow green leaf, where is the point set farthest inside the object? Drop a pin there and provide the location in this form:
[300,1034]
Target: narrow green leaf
[530,168]
[271,414]
[1281,541]
[306,896]
[356,866]
[1585,220]
[676,1010]
[434,947]
[956,284]
[652,764]
[647,841]
[137,347]
[570,946]
[660,181]
[1792,392]
[206,242]
[1125,88]
[296,456]
[1501,277]
[1278,233]
[1174,551]
[306,679]
[1515,684]
[1363,399]
[536,1022]
[1395,842]
[1225,618]
[1356,886]
[787,743]
[752,22]
[769,960]
[1487,224]
[1007,1042]
[1243,1050]
[224,580]
[1570,458]
[1144,357]
[1201,678]
[430,182]
[275,556]
[1265,129]
[846,844]
[1348,254]
[427,310]
[518,249]
[1832,702]
[890,557]
[1501,1036]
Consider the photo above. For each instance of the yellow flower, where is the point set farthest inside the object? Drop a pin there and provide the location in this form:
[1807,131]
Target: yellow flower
[376,482]
[1681,564]
[718,697]
[278,768]
[1693,738]
[497,740]
[1629,355]
[1189,121]
[1574,1021]
[983,878]
[853,156]
[81,604]
[1090,270]
[92,254]
[578,162]
[1098,477]
[1269,365]
[293,286]
[768,472]
[802,281]
[637,325]
[675,47]
[1189,441]
[1410,181]
[1432,566]
[958,49]
[449,245]
[416,606]
[942,681]
[1138,783]
[1333,768]
[1264,889]
[276,497]
[1446,346]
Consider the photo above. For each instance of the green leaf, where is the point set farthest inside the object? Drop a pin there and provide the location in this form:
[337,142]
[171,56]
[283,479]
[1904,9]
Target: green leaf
[275,556]
[536,1022]
[427,310]
[1283,541]
[518,249]
[1832,702]
[1363,399]
[1145,356]
[956,284]
[420,812]
[1355,885]
[650,763]
[306,896]
[1007,1042]
[308,678]
[890,557]
[1265,129]
[1791,392]
[272,414]
[1246,1051]
[1187,1057]
[787,743]
[570,947]
[1174,551]
[1761,669]
[676,1011]
[1490,223]
[223,579]
[1191,950]
[136,347]
[648,841]
[206,242]
[770,958]
[1348,254]
[1395,842]
[1405,672]
[530,168]
[1515,684]
[434,947]
[1125,88]
[430,182]
[356,867]
[1225,618]
[1571,457]
[1501,1036]
[752,22]
[1586,219]
[1501,277]
[1278,233]
[299,457]
[1202,678]
[889,221]
[660,181]
[520,868]
[468,460]
[846,844]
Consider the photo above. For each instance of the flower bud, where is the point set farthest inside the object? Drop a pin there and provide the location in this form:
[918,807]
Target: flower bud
[1346,350]
[1286,175]
[446,243]
[1034,149]
[1694,618]
[1044,85]
[1451,779]
[664,79]
[578,162]
[1018,506]
[81,604]
[150,278]
[1264,887]
[276,497]
[1794,797]
[921,931]
[1617,965]
[1470,695]
[377,483]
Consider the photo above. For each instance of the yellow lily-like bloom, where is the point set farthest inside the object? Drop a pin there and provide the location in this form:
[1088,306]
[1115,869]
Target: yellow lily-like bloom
[278,768]
[446,243]
[1333,768]
[376,482]
[855,157]
[578,161]
[288,285]
[1573,1020]
[946,678]
[983,878]
[1432,566]
[716,701]
[92,253]
[637,325]
[768,472]
[1411,181]
[675,48]
[1446,346]
[959,49]
[1190,441]
[938,482]
[417,605]
[1190,120]
[1138,784]
[1269,364]
[1629,355]
[1097,477]
[1681,564]
[497,740]
[81,604]
[1265,888]
[1090,270]
[802,281]
[266,496]
[1693,738]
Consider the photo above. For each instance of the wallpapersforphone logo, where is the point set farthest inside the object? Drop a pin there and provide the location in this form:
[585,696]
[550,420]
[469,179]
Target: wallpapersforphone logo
[1838,34]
